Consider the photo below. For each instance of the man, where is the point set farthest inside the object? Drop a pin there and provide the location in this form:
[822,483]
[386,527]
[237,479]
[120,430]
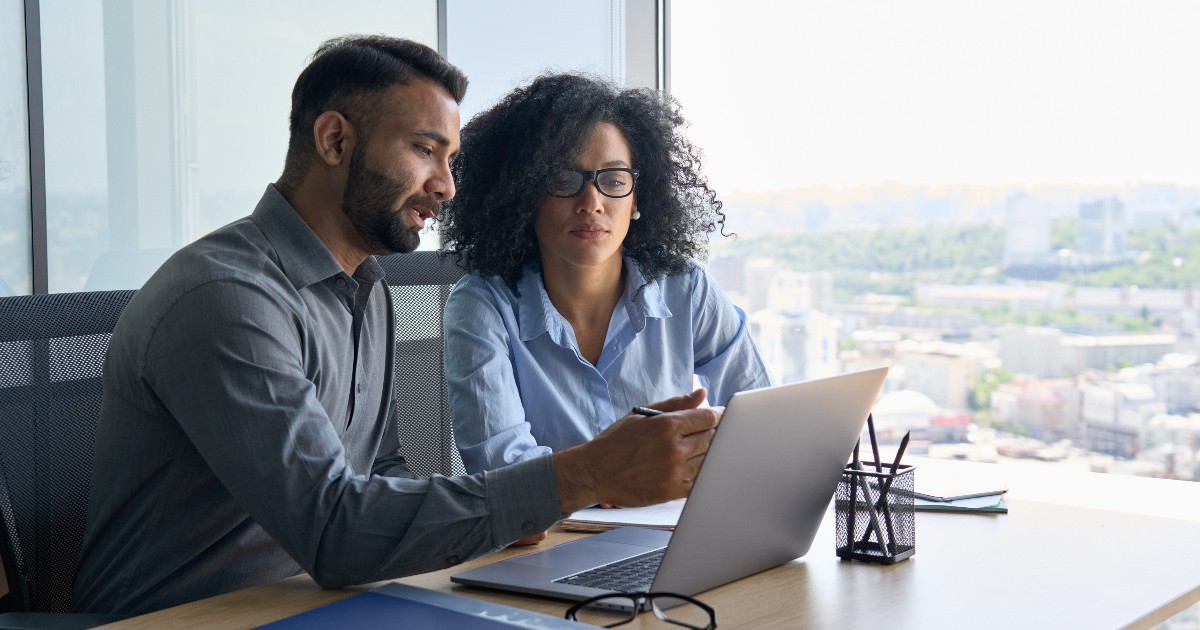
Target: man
[245,432]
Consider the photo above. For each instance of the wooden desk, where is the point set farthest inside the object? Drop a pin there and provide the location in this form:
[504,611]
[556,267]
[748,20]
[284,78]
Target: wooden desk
[1081,551]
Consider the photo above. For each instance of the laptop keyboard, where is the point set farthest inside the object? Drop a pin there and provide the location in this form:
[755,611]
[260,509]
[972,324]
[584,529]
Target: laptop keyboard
[628,575]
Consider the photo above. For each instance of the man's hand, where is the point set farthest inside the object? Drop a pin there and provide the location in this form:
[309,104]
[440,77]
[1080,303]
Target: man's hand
[639,460]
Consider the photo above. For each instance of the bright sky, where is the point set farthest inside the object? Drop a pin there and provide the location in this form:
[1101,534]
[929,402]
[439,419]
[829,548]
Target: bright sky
[794,93]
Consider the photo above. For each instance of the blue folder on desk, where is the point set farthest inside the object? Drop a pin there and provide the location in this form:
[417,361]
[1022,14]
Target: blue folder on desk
[403,606]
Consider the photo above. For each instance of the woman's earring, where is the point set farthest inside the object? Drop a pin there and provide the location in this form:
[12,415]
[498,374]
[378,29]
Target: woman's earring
[637,214]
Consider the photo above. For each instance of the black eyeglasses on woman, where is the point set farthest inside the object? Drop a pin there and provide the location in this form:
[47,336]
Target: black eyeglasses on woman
[611,182]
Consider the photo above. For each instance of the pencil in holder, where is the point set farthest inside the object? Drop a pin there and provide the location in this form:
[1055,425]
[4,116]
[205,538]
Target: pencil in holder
[874,514]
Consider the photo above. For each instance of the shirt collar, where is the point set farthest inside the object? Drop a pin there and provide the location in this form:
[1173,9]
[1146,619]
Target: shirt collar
[303,257]
[537,314]
[642,300]
[370,271]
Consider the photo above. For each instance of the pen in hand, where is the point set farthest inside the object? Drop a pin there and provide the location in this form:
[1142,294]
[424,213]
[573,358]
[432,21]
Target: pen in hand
[641,411]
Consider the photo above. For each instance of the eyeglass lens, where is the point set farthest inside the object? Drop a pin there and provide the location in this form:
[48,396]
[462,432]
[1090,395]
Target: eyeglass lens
[619,609]
[681,612]
[611,182]
[607,613]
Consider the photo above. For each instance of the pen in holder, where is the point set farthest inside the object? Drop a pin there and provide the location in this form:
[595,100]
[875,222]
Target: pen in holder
[874,513]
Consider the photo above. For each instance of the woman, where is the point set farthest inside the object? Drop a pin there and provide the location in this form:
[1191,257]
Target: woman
[579,210]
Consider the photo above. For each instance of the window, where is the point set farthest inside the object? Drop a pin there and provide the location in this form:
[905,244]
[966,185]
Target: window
[16,265]
[165,120]
[999,200]
[500,45]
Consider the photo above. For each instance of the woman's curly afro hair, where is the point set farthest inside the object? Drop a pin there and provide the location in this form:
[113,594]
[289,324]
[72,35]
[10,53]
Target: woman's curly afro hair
[510,150]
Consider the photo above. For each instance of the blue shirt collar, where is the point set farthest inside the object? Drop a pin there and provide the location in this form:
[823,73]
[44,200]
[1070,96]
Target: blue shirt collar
[642,300]
[537,315]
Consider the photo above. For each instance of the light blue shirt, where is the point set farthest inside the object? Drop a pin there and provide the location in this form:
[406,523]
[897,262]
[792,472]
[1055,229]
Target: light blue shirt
[520,388]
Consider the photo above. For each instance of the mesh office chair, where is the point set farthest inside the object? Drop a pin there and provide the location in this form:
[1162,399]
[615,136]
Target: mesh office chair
[419,283]
[51,355]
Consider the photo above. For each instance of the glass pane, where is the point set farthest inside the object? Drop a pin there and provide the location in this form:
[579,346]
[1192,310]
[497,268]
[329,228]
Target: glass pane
[1005,211]
[16,265]
[607,612]
[581,35]
[681,612]
[166,119]
[77,222]
[538,36]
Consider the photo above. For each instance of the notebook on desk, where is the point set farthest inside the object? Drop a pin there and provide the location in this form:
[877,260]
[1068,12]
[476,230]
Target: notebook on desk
[598,519]
[757,502]
[946,481]
[402,606]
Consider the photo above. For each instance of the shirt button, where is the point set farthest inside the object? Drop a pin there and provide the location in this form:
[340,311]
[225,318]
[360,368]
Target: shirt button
[452,560]
[528,527]
[341,282]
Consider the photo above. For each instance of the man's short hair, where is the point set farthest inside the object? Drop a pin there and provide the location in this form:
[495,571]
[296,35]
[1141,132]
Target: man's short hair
[344,73]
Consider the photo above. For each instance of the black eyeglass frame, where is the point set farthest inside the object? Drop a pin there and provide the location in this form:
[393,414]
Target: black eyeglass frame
[642,599]
[594,177]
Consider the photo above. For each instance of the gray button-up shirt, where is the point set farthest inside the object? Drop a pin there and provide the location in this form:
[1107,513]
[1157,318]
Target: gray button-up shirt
[245,434]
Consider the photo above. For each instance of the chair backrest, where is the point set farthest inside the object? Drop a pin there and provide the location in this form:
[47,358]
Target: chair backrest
[419,283]
[51,355]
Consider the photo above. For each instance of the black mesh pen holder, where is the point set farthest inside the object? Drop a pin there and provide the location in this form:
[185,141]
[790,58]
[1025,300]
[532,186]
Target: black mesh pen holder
[874,514]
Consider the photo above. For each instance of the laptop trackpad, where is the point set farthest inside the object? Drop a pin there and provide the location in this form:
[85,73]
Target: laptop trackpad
[596,550]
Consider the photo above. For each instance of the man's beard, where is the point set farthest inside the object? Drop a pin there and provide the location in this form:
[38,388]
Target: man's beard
[368,201]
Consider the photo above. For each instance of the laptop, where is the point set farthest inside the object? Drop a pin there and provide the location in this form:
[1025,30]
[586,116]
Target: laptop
[757,502]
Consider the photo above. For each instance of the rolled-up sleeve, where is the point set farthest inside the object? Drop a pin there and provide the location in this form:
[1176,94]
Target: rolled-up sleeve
[253,415]
[488,414]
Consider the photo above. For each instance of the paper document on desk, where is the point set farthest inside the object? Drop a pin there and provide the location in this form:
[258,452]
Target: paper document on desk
[661,516]
[946,480]
[991,504]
